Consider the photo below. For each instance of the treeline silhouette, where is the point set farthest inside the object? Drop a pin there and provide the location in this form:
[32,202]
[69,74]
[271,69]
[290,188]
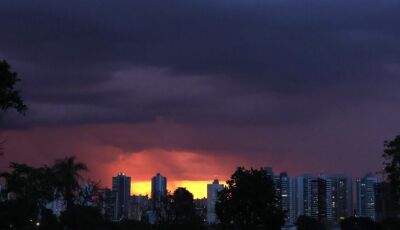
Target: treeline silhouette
[248,201]
[24,203]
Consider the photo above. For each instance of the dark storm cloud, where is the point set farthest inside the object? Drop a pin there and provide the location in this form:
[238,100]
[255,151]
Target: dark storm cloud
[235,62]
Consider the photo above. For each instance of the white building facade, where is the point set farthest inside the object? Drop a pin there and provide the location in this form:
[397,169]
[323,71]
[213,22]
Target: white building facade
[212,197]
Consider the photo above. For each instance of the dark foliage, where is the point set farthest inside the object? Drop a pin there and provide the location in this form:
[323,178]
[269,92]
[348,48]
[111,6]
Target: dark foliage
[359,223]
[182,206]
[390,224]
[67,172]
[80,217]
[392,166]
[249,202]
[308,223]
[9,96]
[49,221]
[18,214]
[183,211]
[29,183]
[128,225]
[29,189]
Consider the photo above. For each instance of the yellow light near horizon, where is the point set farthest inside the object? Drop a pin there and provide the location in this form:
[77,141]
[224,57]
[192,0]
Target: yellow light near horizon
[197,188]
[141,188]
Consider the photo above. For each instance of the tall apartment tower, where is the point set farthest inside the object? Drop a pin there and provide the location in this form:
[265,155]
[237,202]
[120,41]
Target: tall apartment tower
[212,196]
[303,195]
[329,199]
[365,195]
[342,197]
[158,189]
[286,189]
[321,199]
[121,186]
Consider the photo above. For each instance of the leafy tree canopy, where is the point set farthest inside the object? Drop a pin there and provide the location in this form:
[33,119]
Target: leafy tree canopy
[249,201]
[182,206]
[392,165]
[9,96]
[68,172]
[29,189]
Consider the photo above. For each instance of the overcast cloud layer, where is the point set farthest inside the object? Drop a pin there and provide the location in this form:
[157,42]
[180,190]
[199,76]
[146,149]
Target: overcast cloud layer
[268,79]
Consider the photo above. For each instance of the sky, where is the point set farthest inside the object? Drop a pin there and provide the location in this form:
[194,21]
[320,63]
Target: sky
[193,89]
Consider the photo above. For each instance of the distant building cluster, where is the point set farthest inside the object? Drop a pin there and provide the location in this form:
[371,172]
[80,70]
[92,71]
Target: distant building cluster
[328,199]
[118,204]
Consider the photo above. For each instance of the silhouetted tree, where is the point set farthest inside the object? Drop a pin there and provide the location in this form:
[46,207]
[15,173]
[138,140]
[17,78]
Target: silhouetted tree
[308,223]
[390,224]
[9,96]
[359,223]
[29,183]
[79,217]
[249,201]
[28,190]
[392,166]
[90,194]
[18,214]
[67,171]
[49,221]
[183,210]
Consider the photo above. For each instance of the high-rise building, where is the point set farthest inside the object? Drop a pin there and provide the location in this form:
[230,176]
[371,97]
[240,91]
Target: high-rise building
[315,199]
[158,190]
[282,189]
[365,195]
[320,201]
[292,215]
[121,186]
[329,199]
[303,195]
[212,196]
[286,190]
[342,197]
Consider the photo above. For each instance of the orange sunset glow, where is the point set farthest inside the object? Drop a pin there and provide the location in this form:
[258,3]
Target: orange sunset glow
[198,188]
[182,169]
[190,169]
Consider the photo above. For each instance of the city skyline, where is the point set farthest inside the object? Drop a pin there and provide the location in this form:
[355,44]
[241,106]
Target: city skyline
[199,188]
[326,198]
[194,89]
